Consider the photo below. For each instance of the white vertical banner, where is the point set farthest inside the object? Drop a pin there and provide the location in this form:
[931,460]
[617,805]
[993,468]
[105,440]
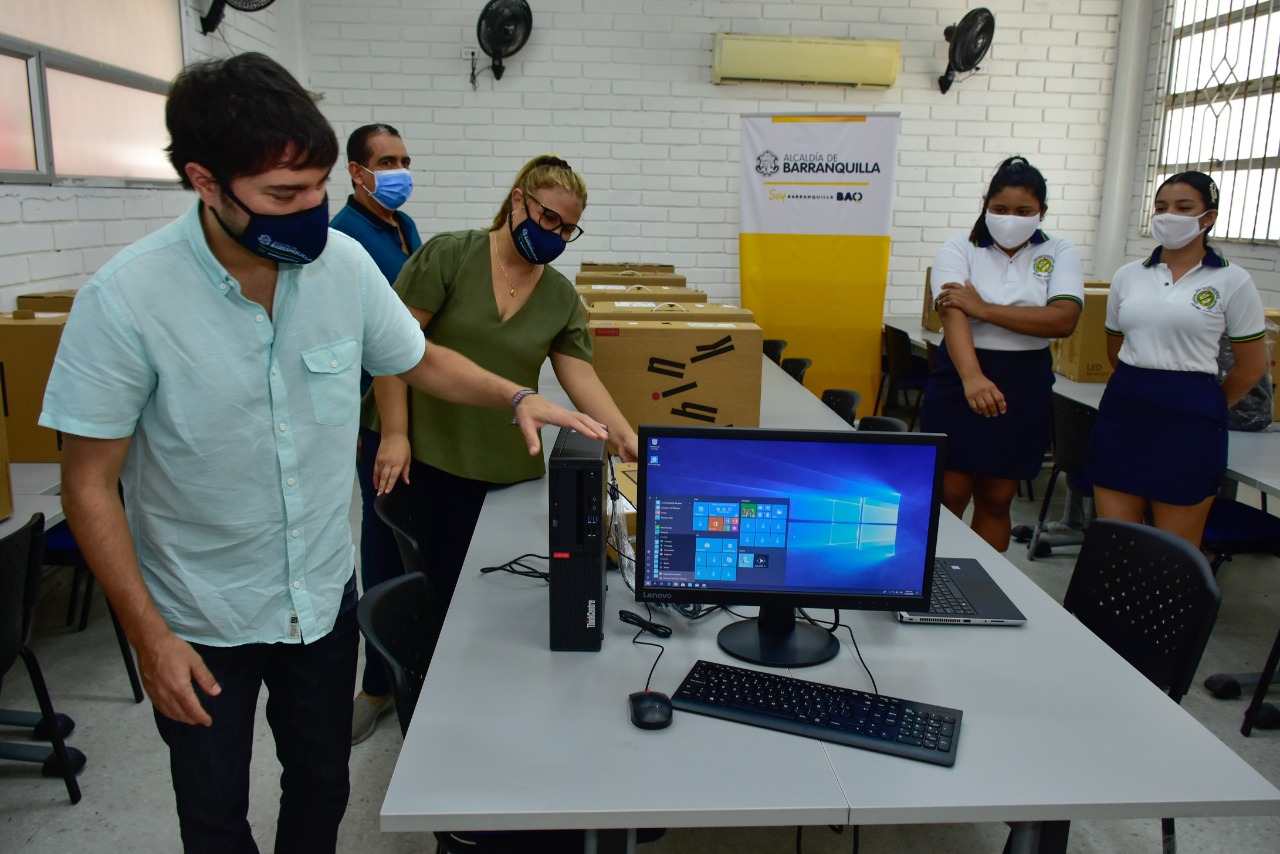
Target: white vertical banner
[816,197]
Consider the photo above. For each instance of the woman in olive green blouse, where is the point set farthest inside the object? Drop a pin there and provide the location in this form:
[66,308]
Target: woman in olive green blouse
[493,297]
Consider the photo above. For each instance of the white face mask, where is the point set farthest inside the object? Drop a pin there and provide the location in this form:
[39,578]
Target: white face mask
[1175,231]
[1010,232]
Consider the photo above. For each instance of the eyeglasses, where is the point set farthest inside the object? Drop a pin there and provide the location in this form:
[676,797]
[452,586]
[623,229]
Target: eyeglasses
[552,221]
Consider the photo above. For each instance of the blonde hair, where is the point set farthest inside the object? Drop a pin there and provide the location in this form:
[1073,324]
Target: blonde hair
[546,170]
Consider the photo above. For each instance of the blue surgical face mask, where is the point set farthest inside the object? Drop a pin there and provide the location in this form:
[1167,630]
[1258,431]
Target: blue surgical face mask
[294,238]
[534,243]
[392,187]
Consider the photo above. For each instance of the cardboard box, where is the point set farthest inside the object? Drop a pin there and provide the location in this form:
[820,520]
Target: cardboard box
[620,266]
[669,310]
[6,483]
[1082,356]
[929,317]
[592,294]
[631,277]
[27,348]
[681,372]
[47,301]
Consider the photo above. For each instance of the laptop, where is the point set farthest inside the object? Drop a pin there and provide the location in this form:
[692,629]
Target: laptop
[964,594]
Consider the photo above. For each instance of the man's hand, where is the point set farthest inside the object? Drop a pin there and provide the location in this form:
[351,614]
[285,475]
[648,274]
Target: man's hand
[536,411]
[964,297]
[168,665]
[392,462]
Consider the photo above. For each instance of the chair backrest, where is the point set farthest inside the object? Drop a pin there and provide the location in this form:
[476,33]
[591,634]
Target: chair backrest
[1072,426]
[882,424]
[401,619]
[843,402]
[397,510]
[897,350]
[20,556]
[773,348]
[1150,595]
[796,367]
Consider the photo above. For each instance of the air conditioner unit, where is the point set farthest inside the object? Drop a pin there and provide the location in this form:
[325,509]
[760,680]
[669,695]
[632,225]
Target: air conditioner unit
[804,59]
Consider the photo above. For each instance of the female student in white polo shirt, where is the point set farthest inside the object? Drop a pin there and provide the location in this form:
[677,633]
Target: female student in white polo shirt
[1007,289]
[1161,437]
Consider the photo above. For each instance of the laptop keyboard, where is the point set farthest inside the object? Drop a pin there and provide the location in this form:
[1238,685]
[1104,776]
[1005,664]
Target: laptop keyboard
[946,598]
[890,725]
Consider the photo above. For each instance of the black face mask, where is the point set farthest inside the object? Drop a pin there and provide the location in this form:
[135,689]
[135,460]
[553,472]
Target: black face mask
[294,238]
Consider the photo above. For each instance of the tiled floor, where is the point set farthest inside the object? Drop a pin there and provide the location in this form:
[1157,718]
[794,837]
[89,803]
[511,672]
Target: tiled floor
[128,804]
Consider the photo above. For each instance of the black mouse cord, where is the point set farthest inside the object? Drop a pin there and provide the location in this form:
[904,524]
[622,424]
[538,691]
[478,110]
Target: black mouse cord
[657,629]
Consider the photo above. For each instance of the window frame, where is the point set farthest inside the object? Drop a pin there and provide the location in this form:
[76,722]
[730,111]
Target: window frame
[38,58]
[1165,102]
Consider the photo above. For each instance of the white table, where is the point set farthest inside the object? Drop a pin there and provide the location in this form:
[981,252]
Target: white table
[511,735]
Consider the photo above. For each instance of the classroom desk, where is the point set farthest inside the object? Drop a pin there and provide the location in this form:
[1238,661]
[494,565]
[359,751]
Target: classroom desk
[511,735]
[35,490]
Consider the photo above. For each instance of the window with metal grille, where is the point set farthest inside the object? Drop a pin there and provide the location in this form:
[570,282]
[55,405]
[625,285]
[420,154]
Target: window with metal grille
[1216,92]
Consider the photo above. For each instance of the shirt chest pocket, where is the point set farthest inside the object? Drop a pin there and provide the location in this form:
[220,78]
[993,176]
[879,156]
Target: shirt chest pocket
[333,378]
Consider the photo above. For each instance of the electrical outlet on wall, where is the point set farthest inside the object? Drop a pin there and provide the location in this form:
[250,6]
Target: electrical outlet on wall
[469,52]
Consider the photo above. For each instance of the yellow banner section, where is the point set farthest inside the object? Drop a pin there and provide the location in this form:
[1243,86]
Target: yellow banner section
[823,294]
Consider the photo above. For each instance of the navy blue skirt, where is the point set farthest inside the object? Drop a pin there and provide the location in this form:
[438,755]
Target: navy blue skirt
[1161,435]
[1009,446]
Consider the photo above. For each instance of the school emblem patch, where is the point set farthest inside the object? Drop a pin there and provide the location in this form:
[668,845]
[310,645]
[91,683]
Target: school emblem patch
[1042,266]
[1206,299]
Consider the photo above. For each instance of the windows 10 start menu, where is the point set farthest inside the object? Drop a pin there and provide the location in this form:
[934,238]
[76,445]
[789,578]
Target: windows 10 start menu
[719,539]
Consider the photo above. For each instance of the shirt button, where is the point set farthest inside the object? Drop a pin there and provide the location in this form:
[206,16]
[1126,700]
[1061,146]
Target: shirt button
[290,481]
[274,372]
[260,318]
[284,427]
[297,585]
[295,533]
[222,287]
[333,363]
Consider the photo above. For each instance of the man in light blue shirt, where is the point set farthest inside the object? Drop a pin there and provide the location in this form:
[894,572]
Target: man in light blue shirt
[213,369]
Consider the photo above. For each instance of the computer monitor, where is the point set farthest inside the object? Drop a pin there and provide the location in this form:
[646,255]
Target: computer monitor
[786,519]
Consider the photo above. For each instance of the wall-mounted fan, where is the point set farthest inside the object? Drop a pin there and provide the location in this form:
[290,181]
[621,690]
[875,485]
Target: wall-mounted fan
[970,40]
[502,30]
[210,22]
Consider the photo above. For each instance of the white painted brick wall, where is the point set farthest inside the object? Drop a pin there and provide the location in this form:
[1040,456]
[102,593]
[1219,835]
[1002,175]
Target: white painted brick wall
[621,88]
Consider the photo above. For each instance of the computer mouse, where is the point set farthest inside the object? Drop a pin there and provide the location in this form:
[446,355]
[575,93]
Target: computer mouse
[650,709]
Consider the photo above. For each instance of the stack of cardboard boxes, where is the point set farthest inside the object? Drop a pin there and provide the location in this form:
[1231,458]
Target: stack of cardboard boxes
[667,356]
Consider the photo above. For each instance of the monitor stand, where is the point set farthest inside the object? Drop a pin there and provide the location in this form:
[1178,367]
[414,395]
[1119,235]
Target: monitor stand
[776,639]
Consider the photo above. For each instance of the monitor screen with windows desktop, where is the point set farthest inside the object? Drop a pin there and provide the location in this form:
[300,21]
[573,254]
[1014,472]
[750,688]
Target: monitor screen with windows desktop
[787,519]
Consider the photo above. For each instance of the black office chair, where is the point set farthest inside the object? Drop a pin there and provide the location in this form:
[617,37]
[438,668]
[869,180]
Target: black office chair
[1151,596]
[20,562]
[843,402]
[796,367]
[1233,528]
[882,424]
[773,348]
[1072,426]
[61,549]
[904,373]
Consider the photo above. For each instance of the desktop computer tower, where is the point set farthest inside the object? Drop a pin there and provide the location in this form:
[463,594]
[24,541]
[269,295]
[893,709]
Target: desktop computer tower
[577,481]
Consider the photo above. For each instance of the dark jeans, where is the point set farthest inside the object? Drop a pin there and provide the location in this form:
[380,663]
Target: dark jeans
[309,711]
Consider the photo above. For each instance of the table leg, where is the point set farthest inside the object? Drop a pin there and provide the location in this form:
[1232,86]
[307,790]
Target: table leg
[609,842]
[1037,837]
[1264,683]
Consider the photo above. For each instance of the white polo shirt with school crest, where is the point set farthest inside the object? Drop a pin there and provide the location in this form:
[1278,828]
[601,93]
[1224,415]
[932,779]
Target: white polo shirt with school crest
[1175,326]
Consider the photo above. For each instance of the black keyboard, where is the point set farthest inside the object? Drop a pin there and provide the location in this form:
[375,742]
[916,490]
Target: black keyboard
[841,715]
[945,597]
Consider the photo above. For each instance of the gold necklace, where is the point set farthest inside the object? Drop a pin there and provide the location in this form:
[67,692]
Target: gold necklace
[505,275]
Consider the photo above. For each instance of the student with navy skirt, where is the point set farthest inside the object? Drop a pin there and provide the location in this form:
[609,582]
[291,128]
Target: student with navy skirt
[1007,289]
[1160,443]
